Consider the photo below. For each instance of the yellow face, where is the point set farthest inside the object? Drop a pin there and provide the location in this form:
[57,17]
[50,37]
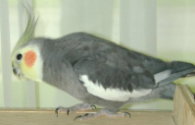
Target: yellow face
[26,63]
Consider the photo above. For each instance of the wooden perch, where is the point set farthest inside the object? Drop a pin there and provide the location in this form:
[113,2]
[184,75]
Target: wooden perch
[183,114]
[48,117]
[184,106]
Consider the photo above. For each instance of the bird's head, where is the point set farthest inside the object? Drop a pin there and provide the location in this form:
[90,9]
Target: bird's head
[26,61]
[26,55]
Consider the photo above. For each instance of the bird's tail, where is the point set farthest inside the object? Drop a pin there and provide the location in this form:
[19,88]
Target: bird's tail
[175,70]
[164,79]
[167,92]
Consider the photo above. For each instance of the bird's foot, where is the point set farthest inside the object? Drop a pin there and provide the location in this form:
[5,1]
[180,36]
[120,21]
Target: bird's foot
[78,107]
[103,112]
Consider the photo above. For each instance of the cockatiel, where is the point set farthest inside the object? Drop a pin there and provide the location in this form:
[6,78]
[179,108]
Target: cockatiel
[94,70]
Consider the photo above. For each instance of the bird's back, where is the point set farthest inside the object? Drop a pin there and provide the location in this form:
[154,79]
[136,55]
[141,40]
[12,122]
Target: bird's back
[92,68]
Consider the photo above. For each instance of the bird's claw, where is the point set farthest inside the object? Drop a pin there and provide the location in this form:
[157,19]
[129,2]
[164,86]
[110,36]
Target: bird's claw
[81,117]
[102,113]
[74,108]
[58,109]
[93,107]
[127,114]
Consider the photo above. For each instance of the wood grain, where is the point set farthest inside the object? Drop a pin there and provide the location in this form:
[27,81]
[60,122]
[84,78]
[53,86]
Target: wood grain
[184,106]
[48,117]
[183,114]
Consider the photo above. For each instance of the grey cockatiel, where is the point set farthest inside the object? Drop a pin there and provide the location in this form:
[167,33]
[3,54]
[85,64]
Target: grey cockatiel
[94,70]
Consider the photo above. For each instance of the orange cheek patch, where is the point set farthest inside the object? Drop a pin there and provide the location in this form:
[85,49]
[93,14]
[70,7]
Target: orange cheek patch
[30,58]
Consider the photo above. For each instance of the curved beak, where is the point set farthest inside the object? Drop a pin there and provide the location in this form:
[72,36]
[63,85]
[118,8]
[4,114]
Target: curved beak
[16,71]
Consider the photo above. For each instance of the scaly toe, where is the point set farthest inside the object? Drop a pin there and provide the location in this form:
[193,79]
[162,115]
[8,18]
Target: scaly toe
[85,116]
[127,114]
[93,107]
[62,109]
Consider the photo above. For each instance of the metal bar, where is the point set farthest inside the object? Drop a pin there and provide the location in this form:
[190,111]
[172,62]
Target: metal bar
[138,25]
[5,52]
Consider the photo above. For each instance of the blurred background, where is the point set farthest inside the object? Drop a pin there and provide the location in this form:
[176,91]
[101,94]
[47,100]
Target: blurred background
[161,28]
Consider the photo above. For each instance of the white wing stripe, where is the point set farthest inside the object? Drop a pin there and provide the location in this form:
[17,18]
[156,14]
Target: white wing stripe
[112,94]
[162,75]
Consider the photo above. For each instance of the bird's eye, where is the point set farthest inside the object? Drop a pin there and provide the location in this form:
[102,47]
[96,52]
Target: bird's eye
[19,56]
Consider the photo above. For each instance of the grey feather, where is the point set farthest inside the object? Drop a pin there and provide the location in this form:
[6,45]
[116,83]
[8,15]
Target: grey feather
[113,66]
[178,69]
[29,31]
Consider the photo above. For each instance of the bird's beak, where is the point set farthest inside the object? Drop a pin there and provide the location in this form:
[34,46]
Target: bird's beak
[16,71]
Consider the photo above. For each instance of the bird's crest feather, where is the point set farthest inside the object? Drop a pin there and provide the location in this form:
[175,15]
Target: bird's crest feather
[29,31]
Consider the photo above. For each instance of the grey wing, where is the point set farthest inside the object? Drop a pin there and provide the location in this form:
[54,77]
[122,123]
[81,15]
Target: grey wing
[101,69]
[109,64]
